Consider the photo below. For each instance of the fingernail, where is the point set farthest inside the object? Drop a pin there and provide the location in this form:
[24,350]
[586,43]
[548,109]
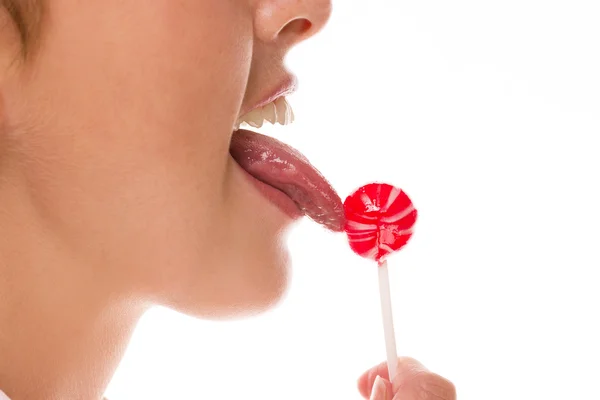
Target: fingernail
[379,391]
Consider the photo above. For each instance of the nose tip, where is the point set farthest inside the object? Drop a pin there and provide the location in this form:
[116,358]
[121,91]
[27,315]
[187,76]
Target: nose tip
[290,21]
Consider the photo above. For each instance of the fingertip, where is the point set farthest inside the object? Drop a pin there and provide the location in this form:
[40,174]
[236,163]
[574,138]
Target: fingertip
[382,389]
[367,379]
[364,384]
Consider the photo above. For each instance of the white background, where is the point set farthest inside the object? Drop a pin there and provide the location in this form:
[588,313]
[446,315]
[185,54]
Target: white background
[488,114]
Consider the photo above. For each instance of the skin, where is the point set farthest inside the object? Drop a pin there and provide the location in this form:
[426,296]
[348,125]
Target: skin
[117,191]
[413,382]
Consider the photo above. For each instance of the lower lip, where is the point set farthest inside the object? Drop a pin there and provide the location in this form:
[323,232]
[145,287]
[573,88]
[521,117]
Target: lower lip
[276,197]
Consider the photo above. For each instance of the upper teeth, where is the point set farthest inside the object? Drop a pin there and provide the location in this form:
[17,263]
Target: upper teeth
[278,111]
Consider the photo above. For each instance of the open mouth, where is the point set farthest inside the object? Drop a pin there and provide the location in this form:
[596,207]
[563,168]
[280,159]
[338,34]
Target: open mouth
[285,168]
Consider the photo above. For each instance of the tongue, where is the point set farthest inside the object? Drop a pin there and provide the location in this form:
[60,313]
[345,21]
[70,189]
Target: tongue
[285,168]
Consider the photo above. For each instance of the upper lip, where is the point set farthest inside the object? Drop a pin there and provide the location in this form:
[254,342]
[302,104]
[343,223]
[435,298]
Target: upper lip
[286,87]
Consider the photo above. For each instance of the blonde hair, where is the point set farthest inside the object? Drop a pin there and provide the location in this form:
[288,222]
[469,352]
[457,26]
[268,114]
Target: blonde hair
[26,16]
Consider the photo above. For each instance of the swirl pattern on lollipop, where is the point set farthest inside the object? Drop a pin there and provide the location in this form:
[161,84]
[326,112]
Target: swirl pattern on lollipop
[379,220]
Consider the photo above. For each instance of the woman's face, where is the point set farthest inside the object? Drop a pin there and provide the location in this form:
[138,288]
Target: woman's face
[120,127]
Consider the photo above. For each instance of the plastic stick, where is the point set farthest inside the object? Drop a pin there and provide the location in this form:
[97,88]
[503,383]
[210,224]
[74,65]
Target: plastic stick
[388,319]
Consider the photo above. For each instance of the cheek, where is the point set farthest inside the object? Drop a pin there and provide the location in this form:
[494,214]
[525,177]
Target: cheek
[193,63]
[184,60]
[157,88]
[209,39]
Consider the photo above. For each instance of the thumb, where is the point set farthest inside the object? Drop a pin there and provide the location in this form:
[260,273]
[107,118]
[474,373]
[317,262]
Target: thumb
[382,389]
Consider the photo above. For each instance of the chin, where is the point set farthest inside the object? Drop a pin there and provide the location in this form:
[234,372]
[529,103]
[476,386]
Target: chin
[253,286]
[260,291]
[265,289]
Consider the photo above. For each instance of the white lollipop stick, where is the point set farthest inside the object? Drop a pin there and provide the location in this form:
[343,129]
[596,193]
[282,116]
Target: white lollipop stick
[388,319]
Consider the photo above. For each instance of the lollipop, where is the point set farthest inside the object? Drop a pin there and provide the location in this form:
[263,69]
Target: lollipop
[379,221]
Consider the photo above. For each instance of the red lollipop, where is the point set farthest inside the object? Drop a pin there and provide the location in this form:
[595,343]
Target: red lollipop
[379,221]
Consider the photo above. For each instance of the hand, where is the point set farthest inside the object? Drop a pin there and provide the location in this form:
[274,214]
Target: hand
[413,382]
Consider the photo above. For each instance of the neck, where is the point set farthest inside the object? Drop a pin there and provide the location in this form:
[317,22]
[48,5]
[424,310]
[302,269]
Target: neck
[63,329]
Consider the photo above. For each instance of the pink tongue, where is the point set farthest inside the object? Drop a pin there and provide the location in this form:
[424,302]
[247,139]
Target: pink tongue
[285,168]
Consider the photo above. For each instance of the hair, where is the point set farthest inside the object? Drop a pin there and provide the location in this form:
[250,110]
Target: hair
[26,16]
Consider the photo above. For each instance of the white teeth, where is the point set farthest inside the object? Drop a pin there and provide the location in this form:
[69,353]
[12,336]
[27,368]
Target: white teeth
[278,111]
[282,110]
[255,118]
[270,113]
[289,113]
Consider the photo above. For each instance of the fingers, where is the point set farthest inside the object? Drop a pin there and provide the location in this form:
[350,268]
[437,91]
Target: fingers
[382,389]
[413,382]
[425,386]
[406,366]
